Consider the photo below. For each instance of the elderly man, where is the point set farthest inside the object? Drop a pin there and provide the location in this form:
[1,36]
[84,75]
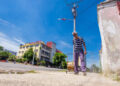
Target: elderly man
[79,51]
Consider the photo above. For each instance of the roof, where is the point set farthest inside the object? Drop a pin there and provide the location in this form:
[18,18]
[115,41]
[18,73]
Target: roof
[107,3]
[32,43]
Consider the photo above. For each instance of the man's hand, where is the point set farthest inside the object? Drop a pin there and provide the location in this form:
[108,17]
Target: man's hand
[85,52]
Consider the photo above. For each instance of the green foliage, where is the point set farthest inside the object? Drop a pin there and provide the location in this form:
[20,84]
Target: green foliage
[4,55]
[1,48]
[42,63]
[40,47]
[88,69]
[29,54]
[32,71]
[37,61]
[18,60]
[116,77]
[59,60]
[64,64]
[11,57]
[21,60]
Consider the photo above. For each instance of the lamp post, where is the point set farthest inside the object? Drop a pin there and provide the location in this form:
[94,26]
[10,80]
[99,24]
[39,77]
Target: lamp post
[34,55]
[74,12]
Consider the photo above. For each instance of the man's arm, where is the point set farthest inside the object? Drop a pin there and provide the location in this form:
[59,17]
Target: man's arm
[85,51]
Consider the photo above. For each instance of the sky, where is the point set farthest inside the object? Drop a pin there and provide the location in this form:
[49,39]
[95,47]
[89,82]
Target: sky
[23,21]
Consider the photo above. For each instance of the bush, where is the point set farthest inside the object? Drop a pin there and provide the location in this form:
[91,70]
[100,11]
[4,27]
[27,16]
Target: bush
[12,58]
[18,60]
[42,63]
[64,64]
[24,60]
[4,55]
[59,60]
[38,63]
[21,60]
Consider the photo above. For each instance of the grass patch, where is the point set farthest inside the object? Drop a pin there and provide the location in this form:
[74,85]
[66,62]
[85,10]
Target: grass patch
[116,77]
[32,71]
[64,70]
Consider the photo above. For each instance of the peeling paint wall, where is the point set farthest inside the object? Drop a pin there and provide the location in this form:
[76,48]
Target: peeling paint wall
[109,25]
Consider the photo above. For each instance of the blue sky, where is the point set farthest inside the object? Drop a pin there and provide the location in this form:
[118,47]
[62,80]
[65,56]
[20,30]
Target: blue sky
[24,21]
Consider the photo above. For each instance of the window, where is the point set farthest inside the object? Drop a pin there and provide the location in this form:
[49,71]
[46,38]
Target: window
[37,45]
[43,46]
[36,50]
[31,45]
[42,51]
[27,46]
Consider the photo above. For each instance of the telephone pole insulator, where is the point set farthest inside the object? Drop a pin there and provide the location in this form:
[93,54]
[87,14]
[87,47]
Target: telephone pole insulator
[74,12]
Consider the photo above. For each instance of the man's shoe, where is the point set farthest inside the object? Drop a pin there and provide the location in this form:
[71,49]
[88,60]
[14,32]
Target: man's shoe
[76,73]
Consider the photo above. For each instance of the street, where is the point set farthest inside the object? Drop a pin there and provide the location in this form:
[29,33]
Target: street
[49,77]
[21,67]
[52,78]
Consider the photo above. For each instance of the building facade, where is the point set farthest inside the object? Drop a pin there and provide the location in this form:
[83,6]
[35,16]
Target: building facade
[109,25]
[52,45]
[43,51]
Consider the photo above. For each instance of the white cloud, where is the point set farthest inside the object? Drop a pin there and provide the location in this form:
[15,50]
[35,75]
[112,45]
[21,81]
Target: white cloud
[2,35]
[19,41]
[64,44]
[4,22]
[9,43]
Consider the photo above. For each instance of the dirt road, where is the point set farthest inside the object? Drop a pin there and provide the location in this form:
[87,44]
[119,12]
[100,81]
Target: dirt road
[55,79]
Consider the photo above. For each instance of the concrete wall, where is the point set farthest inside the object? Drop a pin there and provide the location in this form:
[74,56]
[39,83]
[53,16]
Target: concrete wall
[109,25]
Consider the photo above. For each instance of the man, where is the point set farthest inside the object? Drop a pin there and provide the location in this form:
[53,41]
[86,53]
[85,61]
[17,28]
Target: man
[78,51]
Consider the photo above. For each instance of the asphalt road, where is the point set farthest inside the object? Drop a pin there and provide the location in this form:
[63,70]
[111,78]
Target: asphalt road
[11,66]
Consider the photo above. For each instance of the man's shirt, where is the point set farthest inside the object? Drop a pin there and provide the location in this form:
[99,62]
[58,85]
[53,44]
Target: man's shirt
[78,44]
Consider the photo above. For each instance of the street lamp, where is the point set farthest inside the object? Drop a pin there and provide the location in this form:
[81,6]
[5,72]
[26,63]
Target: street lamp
[34,52]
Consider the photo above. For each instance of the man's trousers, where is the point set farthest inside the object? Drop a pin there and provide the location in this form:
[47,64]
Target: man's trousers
[80,54]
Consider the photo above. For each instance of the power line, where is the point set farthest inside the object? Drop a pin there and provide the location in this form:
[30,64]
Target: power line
[90,6]
[72,3]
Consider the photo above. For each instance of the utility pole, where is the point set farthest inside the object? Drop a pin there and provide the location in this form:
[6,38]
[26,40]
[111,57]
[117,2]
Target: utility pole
[34,52]
[74,12]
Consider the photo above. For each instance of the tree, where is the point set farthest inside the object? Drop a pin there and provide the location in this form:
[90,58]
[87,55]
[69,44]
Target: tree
[64,64]
[1,48]
[4,55]
[11,57]
[29,55]
[59,60]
